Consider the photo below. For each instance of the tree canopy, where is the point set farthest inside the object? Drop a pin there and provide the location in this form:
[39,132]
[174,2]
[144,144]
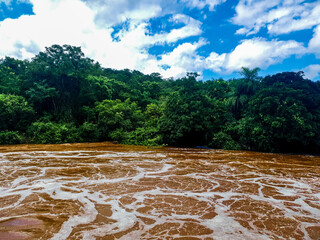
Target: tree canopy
[62,96]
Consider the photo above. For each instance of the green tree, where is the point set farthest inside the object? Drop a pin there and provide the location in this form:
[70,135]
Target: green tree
[242,90]
[10,137]
[250,74]
[10,83]
[15,113]
[60,70]
[51,132]
[278,121]
[190,116]
[116,118]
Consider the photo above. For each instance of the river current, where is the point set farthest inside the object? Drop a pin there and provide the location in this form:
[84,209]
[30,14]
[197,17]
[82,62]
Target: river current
[108,191]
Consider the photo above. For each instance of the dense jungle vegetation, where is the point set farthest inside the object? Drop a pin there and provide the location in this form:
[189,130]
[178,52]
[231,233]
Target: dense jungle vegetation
[61,96]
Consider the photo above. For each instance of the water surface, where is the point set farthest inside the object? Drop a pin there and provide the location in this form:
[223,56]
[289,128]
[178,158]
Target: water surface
[107,191]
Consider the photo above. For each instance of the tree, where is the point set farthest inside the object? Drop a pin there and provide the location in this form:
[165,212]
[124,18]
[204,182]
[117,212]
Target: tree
[42,96]
[250,74]
[278,120]
[60,70]
[190,116]
[242,90]
[116,118]
[10,83]
[15,113]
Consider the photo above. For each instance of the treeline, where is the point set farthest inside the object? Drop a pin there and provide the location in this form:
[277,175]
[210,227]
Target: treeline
[62,96]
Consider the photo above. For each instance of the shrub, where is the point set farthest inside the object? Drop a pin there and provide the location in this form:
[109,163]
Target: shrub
[148,136]
[223,140]
[9,137]
[51,132]
[89,132]
[15,113]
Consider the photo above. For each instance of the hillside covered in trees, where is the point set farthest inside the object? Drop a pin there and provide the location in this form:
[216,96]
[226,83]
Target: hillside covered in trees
[61,96]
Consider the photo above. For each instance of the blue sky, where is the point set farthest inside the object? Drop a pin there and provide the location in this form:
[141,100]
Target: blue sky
[212,37]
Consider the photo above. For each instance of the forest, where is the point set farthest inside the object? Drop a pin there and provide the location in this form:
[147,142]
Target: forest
[61,96]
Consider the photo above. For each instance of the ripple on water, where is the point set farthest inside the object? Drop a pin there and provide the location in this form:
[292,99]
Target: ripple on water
[108,191]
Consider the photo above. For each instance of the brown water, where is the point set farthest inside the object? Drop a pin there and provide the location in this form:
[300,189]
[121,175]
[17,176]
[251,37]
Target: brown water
[107,191]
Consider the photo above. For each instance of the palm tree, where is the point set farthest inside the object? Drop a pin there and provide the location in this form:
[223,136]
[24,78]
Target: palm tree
[244,88]
[250,74]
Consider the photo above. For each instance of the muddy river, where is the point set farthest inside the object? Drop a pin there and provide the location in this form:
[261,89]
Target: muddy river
[107,191]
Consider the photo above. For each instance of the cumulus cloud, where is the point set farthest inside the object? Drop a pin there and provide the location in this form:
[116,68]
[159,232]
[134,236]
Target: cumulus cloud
[314,44]
[183,58]
[252,53]
[261,53]
[279,16]
[138,34]
[312,71]
[52,24]
[128,48]
[256,52]
[216,62]
[117,34]
[111,12]
[200,4]
[9,2]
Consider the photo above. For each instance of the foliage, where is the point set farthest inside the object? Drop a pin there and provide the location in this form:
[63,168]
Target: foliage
[223,140]
[62,96]
[250,74]
[15,113]
[10,137]
[147,136]
[10,83]
[190,116]
[51,132]
[115,117]
[88,132]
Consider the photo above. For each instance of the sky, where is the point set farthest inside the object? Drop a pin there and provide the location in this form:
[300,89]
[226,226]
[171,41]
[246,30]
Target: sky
[172,37]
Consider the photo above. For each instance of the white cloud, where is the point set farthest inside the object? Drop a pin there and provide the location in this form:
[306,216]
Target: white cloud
[128,47]
[261,53]
[312,71]
[252,53]
[307,17]
[216,62]
[53,24]
[183,58]
[200,4]
[279,16]
[314,44]
[111,12]
[8,2]
[138,35]
[192,28]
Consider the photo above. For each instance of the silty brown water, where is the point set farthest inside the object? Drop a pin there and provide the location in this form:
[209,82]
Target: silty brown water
[108,191]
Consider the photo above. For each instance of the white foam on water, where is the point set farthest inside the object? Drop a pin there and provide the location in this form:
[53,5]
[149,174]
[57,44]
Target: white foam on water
[225,228]
[88,215]
[202,187]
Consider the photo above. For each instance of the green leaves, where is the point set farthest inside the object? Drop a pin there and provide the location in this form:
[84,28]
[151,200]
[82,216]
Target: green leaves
[62,96]
[15,113]
[115,114]
[280,119]
[250,74]
[51,132]
[10,137]
[191,117]
[10,83]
